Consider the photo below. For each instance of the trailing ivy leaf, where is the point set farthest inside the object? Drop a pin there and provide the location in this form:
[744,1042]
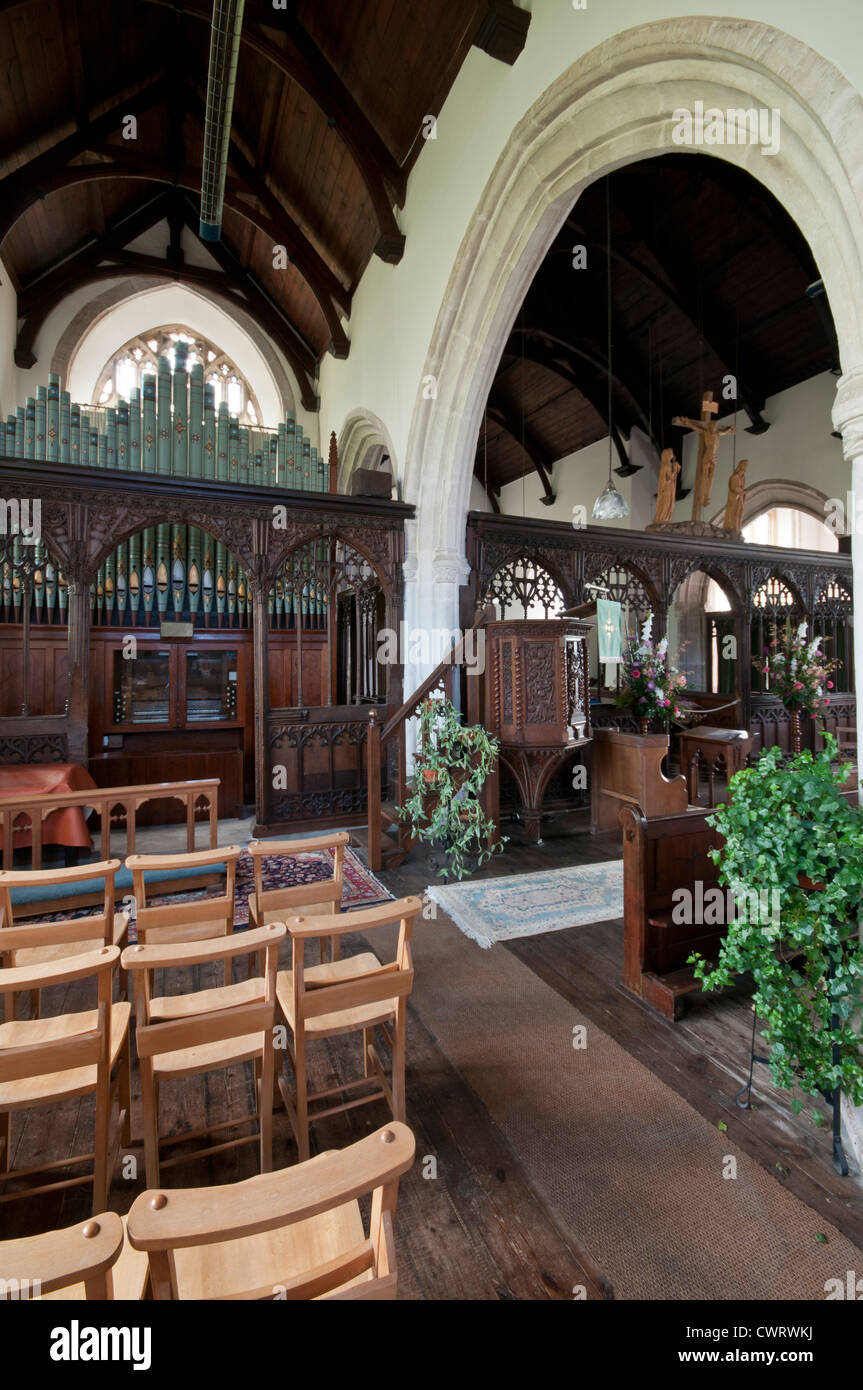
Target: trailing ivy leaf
[821,1238]
[722,1125]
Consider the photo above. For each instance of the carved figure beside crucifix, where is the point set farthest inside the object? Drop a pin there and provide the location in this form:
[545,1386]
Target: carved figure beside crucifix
[710,432]
[669,468]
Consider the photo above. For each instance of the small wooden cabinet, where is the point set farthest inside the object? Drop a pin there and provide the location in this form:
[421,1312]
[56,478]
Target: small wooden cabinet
[173,686]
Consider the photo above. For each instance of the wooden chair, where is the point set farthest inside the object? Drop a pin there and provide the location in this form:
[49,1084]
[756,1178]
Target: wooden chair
[312,899]
[45,1061]
[105,928]
[356,994]
[207,1031]
[196,919]
[93,1261]
[294,1234]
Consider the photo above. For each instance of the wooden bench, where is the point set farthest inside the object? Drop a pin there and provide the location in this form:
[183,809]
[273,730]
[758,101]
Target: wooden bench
[661,856]
[116,807]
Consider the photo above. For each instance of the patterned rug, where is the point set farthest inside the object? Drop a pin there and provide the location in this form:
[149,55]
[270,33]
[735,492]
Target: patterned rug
[501,909]
[361,888]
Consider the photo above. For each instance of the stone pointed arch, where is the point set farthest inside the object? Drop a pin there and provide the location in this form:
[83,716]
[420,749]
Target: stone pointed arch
[362,431]
[613,107]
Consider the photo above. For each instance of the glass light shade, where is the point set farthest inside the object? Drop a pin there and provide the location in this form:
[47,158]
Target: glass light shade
[610,504]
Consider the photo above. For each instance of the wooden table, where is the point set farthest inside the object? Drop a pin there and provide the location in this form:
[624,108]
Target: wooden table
[66,826]
[712,746]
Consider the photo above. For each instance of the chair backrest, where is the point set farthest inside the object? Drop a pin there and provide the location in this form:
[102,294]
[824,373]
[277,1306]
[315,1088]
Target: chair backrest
[84,1254]
[195,919]
[162,1223]
[392,979]
[290,900]
[220,1023]
[67,1051]
[97,924]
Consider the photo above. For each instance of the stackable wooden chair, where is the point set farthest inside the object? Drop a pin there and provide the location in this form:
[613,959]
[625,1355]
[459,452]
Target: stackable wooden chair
[312,899]
[47,1060]
[294,1234]
[351,995]
[105,928]
[89,1261]
[194,919]
[206,1031]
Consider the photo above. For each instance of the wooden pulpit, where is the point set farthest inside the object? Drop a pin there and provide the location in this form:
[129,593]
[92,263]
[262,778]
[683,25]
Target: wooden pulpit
[627,771]
[536,701]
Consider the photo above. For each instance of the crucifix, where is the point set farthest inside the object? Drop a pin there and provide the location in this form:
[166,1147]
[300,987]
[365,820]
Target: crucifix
[710,432]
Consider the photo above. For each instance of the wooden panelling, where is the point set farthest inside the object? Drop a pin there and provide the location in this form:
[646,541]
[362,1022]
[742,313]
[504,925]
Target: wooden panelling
[48,672]
[133,770]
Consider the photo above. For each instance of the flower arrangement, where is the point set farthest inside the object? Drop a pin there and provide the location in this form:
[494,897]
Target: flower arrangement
[797,671]
[653,685]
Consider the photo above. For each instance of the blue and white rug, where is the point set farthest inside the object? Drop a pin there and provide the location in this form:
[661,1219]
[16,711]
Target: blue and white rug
[502,909]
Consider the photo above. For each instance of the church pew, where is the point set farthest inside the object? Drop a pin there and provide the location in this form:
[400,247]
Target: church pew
[661,856]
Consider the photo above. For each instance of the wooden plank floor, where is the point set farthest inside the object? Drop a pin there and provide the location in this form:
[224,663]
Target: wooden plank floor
[470,1224]
[704,1057]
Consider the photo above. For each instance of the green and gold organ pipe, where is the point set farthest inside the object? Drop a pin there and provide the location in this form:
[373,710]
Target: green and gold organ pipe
[168,572]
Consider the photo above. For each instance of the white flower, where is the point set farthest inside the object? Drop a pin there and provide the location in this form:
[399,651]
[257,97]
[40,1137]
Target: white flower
[801,631]
[647,628]
[663,647]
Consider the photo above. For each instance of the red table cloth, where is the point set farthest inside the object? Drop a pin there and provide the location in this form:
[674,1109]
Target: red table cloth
[66,826]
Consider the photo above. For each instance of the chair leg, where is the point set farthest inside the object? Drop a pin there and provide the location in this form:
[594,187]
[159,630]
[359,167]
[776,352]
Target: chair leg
[150,1108]
[368,1041]
[398,1058]
[34,1003]
[5,1141]
[125,1093]
[265,1109]
[301,1092]
[101,1176]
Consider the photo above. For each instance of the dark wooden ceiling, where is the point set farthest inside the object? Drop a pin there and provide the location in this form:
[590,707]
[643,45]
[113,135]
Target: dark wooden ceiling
[709,277]
[327,124]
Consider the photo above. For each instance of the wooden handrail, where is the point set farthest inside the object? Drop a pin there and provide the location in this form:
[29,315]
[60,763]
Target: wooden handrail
[378,738]
[443,667]
[103,800]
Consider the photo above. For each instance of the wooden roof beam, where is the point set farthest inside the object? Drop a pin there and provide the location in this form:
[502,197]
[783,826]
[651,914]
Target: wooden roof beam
[593,389]
[502,31]
[690,296]
[38,177]
[144,168]
[498,411]
[304,63]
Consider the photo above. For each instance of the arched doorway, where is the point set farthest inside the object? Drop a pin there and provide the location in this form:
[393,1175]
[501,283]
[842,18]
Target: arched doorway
[613,107]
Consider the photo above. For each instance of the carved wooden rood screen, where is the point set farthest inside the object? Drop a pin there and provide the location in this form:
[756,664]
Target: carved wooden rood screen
[251,611]
[545,566]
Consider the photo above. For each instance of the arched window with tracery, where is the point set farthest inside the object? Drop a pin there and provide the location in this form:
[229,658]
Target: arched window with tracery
[833,622]
[775,613]
[522,588]
[126,369]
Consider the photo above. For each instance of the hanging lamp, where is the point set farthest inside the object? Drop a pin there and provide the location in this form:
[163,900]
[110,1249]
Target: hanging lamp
[610,505]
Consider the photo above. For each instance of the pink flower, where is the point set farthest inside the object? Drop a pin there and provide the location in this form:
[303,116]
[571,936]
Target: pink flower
[829,685]
[635,672]
[798,685]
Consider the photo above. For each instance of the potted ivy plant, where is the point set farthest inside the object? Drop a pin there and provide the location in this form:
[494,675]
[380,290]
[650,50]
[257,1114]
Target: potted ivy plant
[451,765]
[789,833]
